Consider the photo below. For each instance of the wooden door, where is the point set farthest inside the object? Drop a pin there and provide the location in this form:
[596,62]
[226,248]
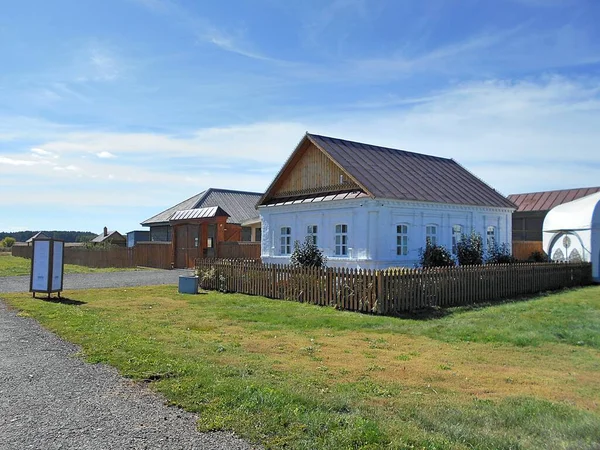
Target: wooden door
[187,245]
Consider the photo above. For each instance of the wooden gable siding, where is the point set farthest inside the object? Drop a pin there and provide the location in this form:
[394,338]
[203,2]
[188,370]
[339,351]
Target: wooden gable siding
[312,173]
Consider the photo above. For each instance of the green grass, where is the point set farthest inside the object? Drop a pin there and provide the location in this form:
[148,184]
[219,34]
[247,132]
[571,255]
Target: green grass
[14,266]
[288,375]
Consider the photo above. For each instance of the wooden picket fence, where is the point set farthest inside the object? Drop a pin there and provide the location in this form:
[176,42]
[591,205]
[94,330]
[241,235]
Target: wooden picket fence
[391,291]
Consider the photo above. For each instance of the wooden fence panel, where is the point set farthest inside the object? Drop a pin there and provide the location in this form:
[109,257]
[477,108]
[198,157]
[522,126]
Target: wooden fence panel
[390,292]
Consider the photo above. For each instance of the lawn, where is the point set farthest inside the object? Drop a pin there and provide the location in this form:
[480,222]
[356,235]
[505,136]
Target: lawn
[13,266]
[289,375]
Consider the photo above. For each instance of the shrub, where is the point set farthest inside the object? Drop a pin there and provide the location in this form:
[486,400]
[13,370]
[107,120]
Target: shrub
[500,254]
[435,256]
[307,255]
[7,242]
[469,250]
[538,256]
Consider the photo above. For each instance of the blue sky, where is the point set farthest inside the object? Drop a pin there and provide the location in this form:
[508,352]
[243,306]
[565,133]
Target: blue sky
[112,111]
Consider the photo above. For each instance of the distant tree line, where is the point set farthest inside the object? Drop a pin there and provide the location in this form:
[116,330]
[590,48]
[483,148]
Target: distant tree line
[67,236]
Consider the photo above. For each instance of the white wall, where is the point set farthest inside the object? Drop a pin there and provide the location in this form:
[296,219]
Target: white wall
[372,228]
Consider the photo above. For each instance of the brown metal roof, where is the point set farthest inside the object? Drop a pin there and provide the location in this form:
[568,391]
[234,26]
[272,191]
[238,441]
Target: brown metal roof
[389,173]
[545,201]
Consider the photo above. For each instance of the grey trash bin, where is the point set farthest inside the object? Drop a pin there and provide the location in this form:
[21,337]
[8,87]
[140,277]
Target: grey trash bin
[188,284]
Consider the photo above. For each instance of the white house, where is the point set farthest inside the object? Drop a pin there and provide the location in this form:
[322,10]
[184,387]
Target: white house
[373,207]
[571,232]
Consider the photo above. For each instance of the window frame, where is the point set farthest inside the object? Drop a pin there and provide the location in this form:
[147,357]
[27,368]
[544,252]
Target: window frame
[487,235]
[341,248]
[402,239]
[285,241]
[312,231]
[429,235]
[456,237]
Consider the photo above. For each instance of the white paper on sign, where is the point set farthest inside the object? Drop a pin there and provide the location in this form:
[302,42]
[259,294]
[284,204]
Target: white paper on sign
[57,266]
[41,261]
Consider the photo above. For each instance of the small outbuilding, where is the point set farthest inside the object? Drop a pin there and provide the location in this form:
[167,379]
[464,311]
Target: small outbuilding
[571,232]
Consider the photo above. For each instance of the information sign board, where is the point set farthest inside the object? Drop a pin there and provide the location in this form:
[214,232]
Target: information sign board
[47,266]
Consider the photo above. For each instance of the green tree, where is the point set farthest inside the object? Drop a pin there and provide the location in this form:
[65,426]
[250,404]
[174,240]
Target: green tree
[307,255]
[435,256]
[7,242]
[469,250]
[499,254]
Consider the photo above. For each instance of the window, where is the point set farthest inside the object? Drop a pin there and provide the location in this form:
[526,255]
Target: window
[491,236]
[431,234]
[285,241]
[210,243]
[457,231]
[311,233]
[402,240]
[246,234]
[341,240]
[257,234]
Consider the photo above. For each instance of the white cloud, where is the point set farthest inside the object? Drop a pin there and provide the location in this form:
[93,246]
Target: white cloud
[41,153]
[517,136]
[69,168]
[105,155]
[16,162]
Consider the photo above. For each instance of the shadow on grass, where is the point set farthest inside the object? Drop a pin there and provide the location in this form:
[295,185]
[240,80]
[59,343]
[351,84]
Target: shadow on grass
[437,312]
[62,300]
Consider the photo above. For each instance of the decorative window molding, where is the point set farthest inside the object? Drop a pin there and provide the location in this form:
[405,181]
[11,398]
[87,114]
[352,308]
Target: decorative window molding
[341,240]
[402,239]
[285,241]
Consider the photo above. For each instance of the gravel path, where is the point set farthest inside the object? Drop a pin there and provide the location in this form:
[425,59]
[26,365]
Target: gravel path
[51,399]
[101,280]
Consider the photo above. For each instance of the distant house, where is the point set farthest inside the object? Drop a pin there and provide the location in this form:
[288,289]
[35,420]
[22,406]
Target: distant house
[374,207]
[532,209]
[133,237]
[110,237]
[38,235]
[198,225]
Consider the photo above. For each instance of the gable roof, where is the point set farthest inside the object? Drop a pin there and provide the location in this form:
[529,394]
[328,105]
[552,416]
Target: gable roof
[546,200]
[38,235]
[388,173]
[240,205]
[110,236]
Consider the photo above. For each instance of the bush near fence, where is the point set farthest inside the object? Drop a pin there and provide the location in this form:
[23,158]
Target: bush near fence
[145,254]
[391,291]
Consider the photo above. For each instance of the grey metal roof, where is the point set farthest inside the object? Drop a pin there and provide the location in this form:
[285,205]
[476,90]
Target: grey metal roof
[38,235]
[389,173]
[198,213]
[240,205]
[111,235]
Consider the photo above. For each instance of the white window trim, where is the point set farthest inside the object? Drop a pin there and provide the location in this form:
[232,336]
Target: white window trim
[494,235]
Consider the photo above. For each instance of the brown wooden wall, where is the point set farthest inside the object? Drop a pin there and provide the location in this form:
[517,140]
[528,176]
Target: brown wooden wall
[148,254]
[523,249]
[239,250]
[312,172]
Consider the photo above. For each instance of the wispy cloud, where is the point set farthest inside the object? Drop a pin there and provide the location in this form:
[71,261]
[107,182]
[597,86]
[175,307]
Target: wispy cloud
[105,155]
[41,153]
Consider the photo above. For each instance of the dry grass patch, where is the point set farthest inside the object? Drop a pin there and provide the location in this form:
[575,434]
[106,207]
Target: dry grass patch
[299,376]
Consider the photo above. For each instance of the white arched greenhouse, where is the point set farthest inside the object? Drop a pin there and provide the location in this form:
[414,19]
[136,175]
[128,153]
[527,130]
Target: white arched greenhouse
[572,232]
